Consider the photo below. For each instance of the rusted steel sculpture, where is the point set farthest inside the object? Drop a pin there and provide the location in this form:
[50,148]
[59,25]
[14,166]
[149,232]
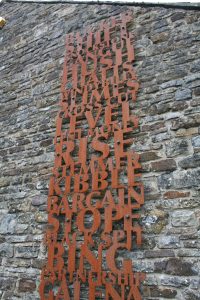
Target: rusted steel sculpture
[95,191]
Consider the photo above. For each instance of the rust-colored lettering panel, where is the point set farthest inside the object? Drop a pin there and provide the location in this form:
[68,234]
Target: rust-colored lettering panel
[95,191]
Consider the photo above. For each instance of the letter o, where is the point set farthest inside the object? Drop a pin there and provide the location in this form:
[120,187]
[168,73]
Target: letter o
[96,220]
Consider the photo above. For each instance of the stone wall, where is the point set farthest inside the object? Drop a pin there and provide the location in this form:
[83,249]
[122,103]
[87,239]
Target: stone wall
[168,69]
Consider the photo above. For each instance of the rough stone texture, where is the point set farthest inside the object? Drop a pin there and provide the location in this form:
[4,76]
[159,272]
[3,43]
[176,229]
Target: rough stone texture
[167,65]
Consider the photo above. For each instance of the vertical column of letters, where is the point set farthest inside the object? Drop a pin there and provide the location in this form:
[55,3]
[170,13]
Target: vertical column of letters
[95,191]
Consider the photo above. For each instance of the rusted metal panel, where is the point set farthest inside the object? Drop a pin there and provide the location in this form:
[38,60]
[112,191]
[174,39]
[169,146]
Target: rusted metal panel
[95,191]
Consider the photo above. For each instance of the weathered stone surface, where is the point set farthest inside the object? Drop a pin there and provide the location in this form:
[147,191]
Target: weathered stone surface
[184,218]
[178,267]
[6,283]
[188,253]
[159,253]
[175,281]
[165,181]
[167,67]
[41,217]
[197,91]
[183,132]
[26,252]
[196,142]
[148,156]
[163,165]
[165,293]
[6,250]
[155,291]
[186,122]
[7,223]
[175,194]
[26,285]
[183,94]
[191,295]
[39,200]
[177,16]
[169,242]
[176,147]
[160,266]
[154,221]
[190,162]
[195,283]
[179,179]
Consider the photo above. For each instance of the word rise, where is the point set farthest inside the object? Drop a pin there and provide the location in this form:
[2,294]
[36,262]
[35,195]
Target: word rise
[95,191]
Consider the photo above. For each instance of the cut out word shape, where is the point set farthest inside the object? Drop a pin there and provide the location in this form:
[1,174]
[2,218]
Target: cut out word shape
[95,191]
